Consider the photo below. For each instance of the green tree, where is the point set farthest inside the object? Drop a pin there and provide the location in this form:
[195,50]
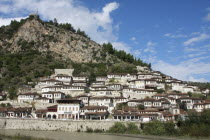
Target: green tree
[68,96]
[160,91]
[55,22]
[140,107]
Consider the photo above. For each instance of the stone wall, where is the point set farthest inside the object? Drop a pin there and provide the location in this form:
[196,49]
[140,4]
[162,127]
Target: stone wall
[55,125]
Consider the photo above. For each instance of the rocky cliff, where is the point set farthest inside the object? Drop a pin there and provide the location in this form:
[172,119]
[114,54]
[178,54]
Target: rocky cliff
[48,37]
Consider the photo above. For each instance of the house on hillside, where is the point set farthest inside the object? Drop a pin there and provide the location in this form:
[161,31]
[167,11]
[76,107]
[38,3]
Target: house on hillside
[84,98]
[27,97]
[53,95]
[134,93]
[64,78]
[69,108]
[94,112]
[102,101]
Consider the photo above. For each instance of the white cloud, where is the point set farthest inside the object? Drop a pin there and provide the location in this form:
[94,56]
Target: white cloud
[195,33]
[191,78]
[6,21]
[133,38]
[149,43]
[207,17]
[186,70]
[196,54]
[199,38]
[122,46]
[137,53]
[206,46]
[150,50]
[97,24]
[188,49]
[175,36]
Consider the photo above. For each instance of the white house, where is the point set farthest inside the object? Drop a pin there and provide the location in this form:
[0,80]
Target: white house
[69,109]
[114,86]
[159,96]
[144,76]
[53,95]
[80,78]
[84,99]
[199,107]
[97,84]
[177,95]
[94,112]
[101,78]
[150,83]
[122,78]
[172,101]
[42,100]
[48,82]
[118,100]
[138,83]
[64,78]
[134,103]
[52,88]
[79,83]
[190,101]
[102,101]
[73,90]
[110,93]
[133,93]
[98,88]
[27,97]
[160,85]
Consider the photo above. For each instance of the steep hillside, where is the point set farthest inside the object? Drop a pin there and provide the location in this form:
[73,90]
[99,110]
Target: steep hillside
[48,37]
[32,48]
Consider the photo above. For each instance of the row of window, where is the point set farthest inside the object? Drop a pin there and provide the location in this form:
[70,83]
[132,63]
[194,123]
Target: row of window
[68,108]
[26,96]
[50,95]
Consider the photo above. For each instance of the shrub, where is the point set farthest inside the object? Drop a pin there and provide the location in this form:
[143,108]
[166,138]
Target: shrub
[98,131]
[196,125]
[154,128]
[89,130]
[160,128]
[132,129]
[118,128]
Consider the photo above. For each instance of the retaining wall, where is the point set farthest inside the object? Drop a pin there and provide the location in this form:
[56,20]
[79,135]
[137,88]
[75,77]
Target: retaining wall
[55,125]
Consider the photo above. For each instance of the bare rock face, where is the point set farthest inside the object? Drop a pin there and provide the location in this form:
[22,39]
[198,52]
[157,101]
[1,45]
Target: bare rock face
[46,37]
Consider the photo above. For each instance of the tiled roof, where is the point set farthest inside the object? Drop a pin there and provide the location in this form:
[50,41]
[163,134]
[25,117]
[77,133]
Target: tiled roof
[94,107]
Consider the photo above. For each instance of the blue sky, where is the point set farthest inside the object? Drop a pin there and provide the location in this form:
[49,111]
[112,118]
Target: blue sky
[173,35]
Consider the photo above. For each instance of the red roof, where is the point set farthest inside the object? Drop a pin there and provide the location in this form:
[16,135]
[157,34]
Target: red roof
[94,107]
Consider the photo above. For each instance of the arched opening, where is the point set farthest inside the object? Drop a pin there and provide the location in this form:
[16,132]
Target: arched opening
[49,116]
[54,116]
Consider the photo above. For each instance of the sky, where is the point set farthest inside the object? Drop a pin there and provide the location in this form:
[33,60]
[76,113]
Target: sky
[172,35]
